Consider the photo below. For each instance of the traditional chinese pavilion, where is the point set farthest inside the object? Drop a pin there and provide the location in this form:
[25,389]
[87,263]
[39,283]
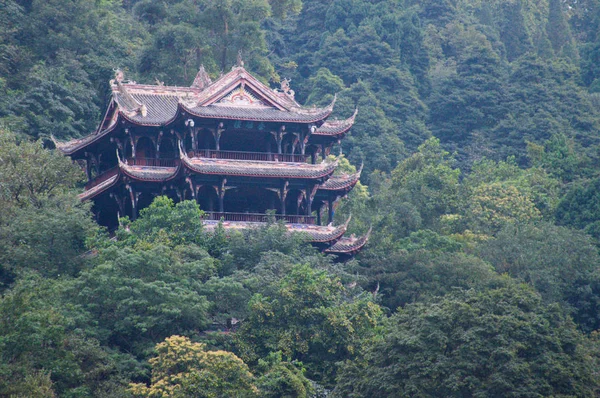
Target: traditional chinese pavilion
[236,146]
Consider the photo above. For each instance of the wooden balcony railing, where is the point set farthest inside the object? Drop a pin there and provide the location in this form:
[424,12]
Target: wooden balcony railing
[259,156]
[255,217]
[152,162]
[102,177]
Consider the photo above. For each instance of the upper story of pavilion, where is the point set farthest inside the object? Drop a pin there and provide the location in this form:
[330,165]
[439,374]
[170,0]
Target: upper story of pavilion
[236,117]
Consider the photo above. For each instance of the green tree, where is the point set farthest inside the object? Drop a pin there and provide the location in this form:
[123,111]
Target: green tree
[46,345]
[471,102]
[29,173]
[580,207]
[165,222]
[50,239]
[492,206]
[420,267]
[498,342]
[560,263]
[282,379]
[513,31]
[558,30]
[428,181]
[138,297]
[310,317]
[184,369]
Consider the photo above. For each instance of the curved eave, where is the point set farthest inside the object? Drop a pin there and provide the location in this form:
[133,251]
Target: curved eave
[336,128]
[149,174]
[330,237]
[257,169]
[98,189]
[342,184]
[71,147]
[349,246]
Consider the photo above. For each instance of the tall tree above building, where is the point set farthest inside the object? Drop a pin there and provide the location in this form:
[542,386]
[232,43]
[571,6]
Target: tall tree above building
[559,32]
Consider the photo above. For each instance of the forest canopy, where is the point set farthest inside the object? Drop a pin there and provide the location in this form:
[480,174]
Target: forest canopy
[479,129]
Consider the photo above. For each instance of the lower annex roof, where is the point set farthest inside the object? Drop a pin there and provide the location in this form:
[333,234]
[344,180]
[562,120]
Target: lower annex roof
[316,233]
[349,245]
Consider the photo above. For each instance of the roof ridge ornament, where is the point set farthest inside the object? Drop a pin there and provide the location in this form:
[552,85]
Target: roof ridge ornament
[202,80]
[119,76]
[330,107]
[240,61]
[360,169]
[285,88]
[348,221]
[57,144]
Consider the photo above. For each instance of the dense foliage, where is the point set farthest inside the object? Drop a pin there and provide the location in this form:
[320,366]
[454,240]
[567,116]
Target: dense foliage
[479,128]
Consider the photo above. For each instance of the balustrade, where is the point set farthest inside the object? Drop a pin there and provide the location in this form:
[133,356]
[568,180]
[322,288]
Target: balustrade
[102,177]
[257,156]
[255,217]
[151,162]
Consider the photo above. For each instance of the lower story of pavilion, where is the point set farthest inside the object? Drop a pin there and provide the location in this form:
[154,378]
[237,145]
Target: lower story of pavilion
[240,203]
[125,189]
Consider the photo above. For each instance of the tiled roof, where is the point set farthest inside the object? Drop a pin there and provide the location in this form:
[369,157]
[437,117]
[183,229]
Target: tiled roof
[70,147]
[159,108]
[257,168]
[341,182]
[336,127]
[349,245]
[259,114]
[149,173]
[316,233]
[90,193]
[157,105]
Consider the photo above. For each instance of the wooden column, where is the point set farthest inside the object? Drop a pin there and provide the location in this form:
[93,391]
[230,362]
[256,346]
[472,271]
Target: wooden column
[211,204]
[278,135]
[88,166]
[132,141]
[192,132]
[217,134]
[192,187]
[303,141]
[319,215]
[221,193]
[133,196]
[120,203]
[295,142]
[311,191]
[329,210]
[283,195]
[301,196]
[158,140]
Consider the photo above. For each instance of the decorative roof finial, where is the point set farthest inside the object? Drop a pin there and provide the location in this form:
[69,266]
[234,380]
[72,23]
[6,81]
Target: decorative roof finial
[119,75]
[285,88]
[240,62]
[202,79]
